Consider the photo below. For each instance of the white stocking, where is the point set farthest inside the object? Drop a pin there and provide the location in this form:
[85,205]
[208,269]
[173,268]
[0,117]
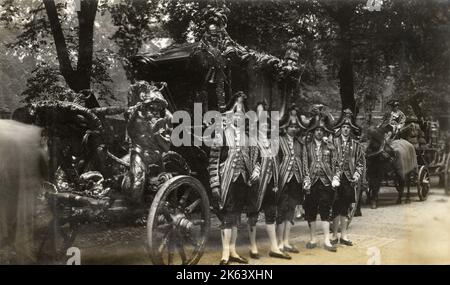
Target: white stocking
[312,232]
[272,238]
[226,238]
[326,232]
[252,237]
[233,242]
[344,222]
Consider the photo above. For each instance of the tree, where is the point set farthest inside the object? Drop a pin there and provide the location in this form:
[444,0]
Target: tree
[343,13]
[50,21]
[137,23]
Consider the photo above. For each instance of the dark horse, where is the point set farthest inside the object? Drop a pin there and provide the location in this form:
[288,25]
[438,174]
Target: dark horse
[396,160]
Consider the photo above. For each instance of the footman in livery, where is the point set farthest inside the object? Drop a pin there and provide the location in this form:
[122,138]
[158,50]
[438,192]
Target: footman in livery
[233,168]
[351,159]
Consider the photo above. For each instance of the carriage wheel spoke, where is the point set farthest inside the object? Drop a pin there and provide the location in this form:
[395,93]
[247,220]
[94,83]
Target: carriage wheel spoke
[166,213]
[198,222]
[192,241]
[164,228]
[192,206]
[170,250]
[164,242]
[183,199]
[180,249]
[174,198]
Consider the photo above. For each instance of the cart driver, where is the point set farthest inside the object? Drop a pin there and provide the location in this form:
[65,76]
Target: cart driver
[394,120]
[149,132]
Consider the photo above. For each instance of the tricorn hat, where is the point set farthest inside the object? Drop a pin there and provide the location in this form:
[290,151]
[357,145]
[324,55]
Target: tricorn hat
[346,119]
[320,121]
[292,118]
[393,102]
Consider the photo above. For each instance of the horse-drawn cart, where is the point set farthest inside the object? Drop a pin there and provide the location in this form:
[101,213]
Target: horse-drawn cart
[435,160]
[409,159]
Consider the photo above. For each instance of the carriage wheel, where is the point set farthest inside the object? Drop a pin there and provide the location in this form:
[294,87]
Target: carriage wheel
[178,222]
[423,183]
[447,175]
[352,210]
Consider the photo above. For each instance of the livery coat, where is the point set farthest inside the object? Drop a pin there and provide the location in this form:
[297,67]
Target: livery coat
[222,162]
[292,161]
[269,170]
[328,161]
[355,157]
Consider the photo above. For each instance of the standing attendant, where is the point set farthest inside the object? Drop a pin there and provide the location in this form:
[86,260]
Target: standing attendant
[321,179]
[233,167]
[291,194]
[351,159]
[265,192]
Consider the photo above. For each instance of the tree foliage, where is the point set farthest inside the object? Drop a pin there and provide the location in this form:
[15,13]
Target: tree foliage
[61,40]
[352,56]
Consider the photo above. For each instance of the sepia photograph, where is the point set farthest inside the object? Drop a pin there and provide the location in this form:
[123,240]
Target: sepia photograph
[225,132]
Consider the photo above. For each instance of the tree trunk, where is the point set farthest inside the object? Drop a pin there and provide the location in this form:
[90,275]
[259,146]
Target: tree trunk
[346,65]
[86,18]
[80,78]
[65,65]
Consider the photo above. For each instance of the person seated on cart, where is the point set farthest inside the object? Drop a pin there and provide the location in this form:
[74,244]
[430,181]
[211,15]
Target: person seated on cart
[350,156]
[393,120]
[148,129]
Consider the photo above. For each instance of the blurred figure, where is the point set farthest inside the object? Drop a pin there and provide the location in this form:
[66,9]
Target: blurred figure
[22,170]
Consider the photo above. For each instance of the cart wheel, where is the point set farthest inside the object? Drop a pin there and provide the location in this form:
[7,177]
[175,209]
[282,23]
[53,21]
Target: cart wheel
[178,222]
[447,175]
[423,183]
[354,206]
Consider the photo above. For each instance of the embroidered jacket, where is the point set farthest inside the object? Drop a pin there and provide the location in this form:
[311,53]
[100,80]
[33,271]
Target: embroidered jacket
[291,159]
[230,160]
[350,156]
[322,162]
[269,169]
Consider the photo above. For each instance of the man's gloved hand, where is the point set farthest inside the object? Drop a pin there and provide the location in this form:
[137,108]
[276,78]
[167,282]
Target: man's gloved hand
[307,185]
[355,177]
[335,183]
[254,177]
[215,198]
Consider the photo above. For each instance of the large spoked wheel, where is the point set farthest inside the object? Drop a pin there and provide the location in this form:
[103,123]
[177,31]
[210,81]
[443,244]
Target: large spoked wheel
[423,183]
[178,222]
[447,175]
[354,206]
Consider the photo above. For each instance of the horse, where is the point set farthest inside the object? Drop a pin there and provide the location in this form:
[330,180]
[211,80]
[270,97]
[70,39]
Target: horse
[396,160]
[23,168]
